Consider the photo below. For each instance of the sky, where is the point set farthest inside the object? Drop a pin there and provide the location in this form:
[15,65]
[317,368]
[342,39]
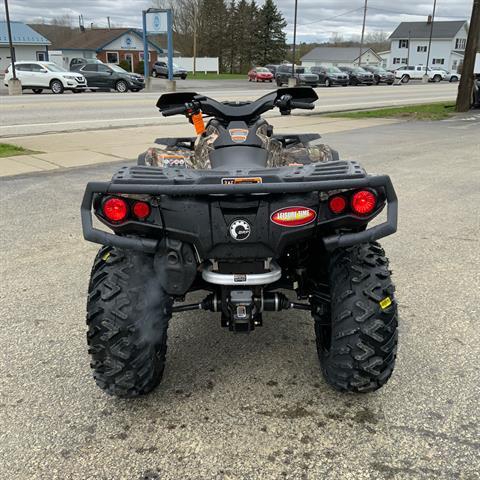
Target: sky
[318,20]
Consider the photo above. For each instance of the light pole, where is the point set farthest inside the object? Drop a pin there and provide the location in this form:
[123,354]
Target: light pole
[10,40]
[425,77]
[363,33]
[294,42]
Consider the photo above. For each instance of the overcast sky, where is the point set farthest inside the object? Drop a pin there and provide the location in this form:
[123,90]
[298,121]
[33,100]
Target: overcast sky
[315,22]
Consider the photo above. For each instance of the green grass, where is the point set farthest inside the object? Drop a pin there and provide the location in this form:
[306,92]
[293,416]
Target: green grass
[8,150]
[428,111]
[214,76]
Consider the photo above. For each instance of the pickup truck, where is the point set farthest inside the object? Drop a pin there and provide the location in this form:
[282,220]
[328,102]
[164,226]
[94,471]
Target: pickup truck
[417,72]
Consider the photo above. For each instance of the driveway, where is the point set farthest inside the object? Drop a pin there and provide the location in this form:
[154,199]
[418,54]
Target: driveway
[250,407]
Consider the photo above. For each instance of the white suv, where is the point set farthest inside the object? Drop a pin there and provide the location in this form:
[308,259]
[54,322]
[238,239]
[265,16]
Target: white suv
[408,73]
[39,76]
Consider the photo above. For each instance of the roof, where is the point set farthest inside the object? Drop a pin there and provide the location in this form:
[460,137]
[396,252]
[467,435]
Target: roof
[66,38]
[422,29]
[336,54]
[21,35]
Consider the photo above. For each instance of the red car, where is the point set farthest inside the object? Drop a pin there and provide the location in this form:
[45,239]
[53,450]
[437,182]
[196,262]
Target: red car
[260,74]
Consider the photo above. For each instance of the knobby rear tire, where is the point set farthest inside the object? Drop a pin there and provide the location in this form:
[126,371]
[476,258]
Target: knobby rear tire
[127,316]
[357,339]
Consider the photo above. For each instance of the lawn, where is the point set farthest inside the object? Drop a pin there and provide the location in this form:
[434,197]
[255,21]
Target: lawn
[429,111]
[215,76]
[8,150]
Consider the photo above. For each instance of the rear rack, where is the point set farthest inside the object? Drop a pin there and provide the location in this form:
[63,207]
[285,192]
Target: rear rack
[185,182]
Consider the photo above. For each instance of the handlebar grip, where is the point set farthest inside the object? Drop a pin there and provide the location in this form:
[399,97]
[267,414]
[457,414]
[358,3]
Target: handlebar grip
[302,105]
[173,111]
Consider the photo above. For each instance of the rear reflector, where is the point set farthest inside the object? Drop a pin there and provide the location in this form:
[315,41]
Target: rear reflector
[293,216]
[141,210]
[337,204]
[363,202]
[115,209]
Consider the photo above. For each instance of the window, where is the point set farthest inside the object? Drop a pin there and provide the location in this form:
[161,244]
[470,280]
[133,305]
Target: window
[90,67]
[112,57]
[37,68]
[438,61]
[396,61]
[460,43]
[24,67]
[404,61]
[103,68]
[421,48]
[41,56]
[140,56]
[403,44]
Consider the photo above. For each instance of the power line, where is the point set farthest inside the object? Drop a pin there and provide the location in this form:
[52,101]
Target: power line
[331,18]
[413,14]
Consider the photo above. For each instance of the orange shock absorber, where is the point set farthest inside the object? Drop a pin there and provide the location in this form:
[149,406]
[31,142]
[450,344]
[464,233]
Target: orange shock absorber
[198,123]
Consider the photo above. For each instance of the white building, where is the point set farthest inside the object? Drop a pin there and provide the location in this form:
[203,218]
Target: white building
[347,56]
[409,44]
[27,43]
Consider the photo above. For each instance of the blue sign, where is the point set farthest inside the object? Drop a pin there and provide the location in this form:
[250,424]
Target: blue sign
[156,22]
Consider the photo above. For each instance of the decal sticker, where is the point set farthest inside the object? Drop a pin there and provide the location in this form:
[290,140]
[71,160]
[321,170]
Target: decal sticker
[238,135]
[240,230]
[293,216]
[240,278]
[240,180]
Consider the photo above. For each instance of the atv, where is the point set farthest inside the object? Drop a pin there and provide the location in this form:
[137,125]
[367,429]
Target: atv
[247,216]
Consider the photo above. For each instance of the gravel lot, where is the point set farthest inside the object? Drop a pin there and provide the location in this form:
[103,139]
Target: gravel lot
[250,407]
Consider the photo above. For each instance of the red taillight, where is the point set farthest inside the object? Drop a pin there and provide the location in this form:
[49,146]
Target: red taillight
[141,210]
[337,204]
[115,209]
[363,202]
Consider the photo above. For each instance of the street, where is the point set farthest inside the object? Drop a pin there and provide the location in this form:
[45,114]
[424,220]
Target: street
[34,114]
[256,406]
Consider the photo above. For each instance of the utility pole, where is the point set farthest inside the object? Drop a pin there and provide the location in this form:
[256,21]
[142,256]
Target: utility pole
[465,88]
[426,77]
[195,20]
[108,21]
[363,33]
[294,40]
[10,40]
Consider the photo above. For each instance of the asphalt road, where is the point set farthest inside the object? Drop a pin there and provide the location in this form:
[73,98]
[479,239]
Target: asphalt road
[33,114]
[250,407]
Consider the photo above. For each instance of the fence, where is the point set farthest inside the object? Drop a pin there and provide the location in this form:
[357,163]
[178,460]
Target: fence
[203,64]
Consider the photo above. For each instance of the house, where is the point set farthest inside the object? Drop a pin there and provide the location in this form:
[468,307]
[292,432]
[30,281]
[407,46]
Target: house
[409,44]
[28,44]
[110,45]
[385,56]
[348,56]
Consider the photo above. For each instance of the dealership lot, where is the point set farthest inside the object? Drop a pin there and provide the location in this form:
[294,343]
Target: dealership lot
[252,406]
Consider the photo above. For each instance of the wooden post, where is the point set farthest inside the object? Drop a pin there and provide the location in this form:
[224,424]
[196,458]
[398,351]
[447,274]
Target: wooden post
[363,33]
[465,89]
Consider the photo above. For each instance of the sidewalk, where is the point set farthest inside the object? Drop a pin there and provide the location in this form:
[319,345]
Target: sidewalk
[76,149]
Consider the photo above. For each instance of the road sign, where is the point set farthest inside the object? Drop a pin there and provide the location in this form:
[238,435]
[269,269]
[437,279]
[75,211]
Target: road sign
[157,22]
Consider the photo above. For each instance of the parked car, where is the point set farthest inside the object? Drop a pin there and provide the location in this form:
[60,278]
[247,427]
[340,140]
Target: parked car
[302,74]
[260,74]
[272,68]
[476,92]
[380,74]
[160,69]
[358,76]
[77,63]
[40,76]
[110,76]
[417,72]
[450,76]
[329,76]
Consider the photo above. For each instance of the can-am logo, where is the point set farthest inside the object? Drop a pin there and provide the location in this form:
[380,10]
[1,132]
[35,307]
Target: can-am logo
[240,230]
[293,216]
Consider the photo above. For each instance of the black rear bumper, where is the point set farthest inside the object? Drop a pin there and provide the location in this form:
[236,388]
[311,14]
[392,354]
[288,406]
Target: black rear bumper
[145,186]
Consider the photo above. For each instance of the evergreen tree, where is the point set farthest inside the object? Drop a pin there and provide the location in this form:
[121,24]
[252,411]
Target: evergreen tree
[271,43]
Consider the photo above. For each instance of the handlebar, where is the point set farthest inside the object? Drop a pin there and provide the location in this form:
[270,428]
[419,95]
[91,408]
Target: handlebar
[174,111]
[302,105]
